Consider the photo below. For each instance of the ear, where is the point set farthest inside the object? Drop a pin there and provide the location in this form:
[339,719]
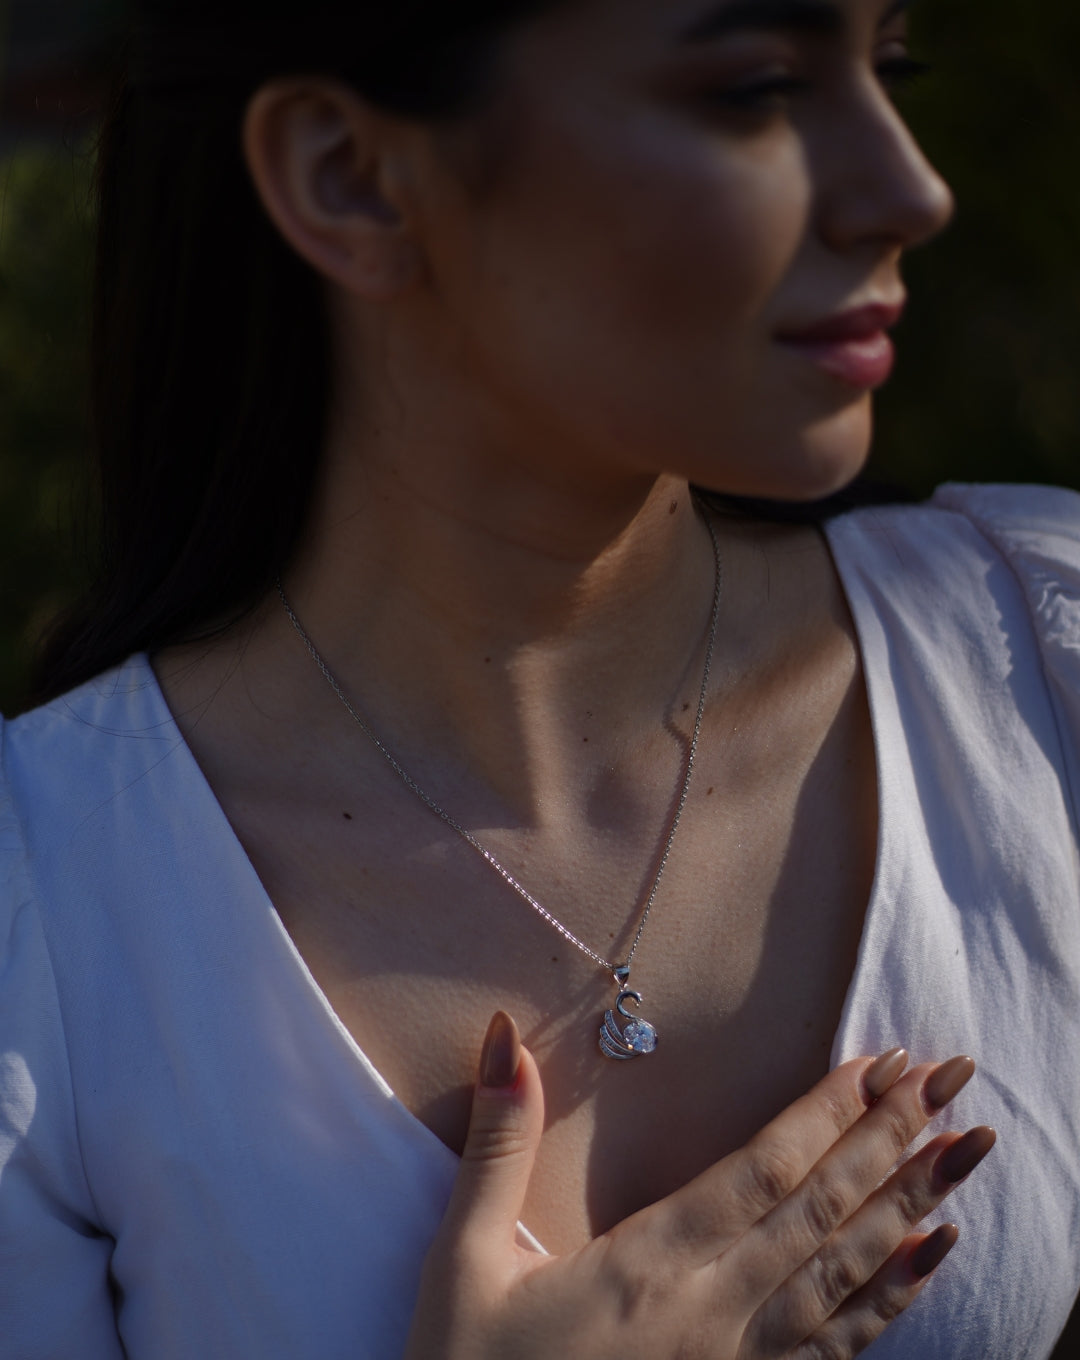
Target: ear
[330,175]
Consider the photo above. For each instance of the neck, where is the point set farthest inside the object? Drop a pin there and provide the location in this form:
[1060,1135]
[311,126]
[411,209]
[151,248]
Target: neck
[524,634]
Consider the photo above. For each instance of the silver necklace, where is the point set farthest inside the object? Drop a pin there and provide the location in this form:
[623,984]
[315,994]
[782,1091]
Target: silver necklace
[624,1034]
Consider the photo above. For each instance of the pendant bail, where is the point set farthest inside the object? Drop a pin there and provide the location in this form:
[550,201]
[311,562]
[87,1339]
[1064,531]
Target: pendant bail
[622,974]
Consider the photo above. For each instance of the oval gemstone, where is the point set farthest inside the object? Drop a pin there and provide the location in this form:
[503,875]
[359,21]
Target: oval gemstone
[640,1036]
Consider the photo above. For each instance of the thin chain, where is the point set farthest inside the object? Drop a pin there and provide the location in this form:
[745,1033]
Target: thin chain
[482,850]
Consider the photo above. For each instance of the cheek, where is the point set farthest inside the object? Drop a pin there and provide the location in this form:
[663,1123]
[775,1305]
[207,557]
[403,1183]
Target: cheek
[653,226]
[628,285]
[708,235]
[649,234]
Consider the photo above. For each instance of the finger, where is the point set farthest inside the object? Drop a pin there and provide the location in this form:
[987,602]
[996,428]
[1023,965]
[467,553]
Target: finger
[913,1191]
[504,1134]
[846,1176]
[713,1210]
[856,1252]
[881,1300]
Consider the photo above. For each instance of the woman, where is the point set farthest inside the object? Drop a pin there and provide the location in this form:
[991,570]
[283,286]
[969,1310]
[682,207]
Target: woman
[416,326]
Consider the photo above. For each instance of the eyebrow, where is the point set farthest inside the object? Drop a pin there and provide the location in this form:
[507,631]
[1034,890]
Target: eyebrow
[805,16]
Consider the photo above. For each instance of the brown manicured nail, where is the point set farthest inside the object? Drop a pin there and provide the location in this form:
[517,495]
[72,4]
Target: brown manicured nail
[932,1250]
[501,1053]
[963,1156]
[946,1081]
[883,1071]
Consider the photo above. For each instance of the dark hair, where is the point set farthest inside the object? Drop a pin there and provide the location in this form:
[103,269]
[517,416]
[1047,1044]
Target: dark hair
[210,354]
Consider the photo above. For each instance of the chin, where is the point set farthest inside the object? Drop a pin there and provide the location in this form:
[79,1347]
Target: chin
[826,458]
[819,465]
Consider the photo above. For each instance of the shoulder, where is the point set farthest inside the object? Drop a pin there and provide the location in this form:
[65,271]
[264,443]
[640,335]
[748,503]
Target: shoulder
[1008,515]
[113,833]
[969,543]
[58,765]
[1036,532]
[66,760]
[118,705]
[1007,511]
[1035,529]
[94,788]
[973,598]
[88,787]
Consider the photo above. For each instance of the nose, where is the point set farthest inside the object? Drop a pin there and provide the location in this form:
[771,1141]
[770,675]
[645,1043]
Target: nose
[878,186]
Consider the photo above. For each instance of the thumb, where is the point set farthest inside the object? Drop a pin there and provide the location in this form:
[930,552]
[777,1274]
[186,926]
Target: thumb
[504,1134]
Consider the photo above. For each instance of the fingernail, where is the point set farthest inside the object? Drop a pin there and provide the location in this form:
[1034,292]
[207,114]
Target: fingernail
[883,1071]
[932,1250]
[946,1081]
[962,1157]
[501,1053]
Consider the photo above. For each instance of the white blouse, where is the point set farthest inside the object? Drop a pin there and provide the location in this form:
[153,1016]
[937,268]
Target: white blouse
[197,1160]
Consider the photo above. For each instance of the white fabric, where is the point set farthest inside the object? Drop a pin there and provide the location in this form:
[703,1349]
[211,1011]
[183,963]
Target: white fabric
[196,1157]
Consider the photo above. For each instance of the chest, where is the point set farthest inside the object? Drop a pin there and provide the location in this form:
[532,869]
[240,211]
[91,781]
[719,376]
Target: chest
[743,967]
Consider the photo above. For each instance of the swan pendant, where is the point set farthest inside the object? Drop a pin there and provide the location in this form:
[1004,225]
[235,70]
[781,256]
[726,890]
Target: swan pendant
[635,1039]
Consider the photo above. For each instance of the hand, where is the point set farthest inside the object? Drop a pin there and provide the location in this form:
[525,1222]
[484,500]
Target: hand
[791,1247]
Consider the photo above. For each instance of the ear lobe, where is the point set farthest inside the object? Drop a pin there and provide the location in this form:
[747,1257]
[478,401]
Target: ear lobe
[321,167]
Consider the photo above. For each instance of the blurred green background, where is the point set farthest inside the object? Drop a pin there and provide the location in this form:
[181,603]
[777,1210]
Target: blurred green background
[986,388]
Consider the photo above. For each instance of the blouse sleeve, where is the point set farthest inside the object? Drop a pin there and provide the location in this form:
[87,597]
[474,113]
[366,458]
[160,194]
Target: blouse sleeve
[1037,531]
[55,1297]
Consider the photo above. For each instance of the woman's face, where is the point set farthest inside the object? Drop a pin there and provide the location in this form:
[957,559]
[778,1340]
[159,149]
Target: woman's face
[689,200]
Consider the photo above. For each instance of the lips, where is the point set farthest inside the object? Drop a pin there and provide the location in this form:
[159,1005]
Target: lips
[851,346]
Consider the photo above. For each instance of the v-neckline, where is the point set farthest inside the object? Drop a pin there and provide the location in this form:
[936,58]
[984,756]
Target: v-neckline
[428,1142]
